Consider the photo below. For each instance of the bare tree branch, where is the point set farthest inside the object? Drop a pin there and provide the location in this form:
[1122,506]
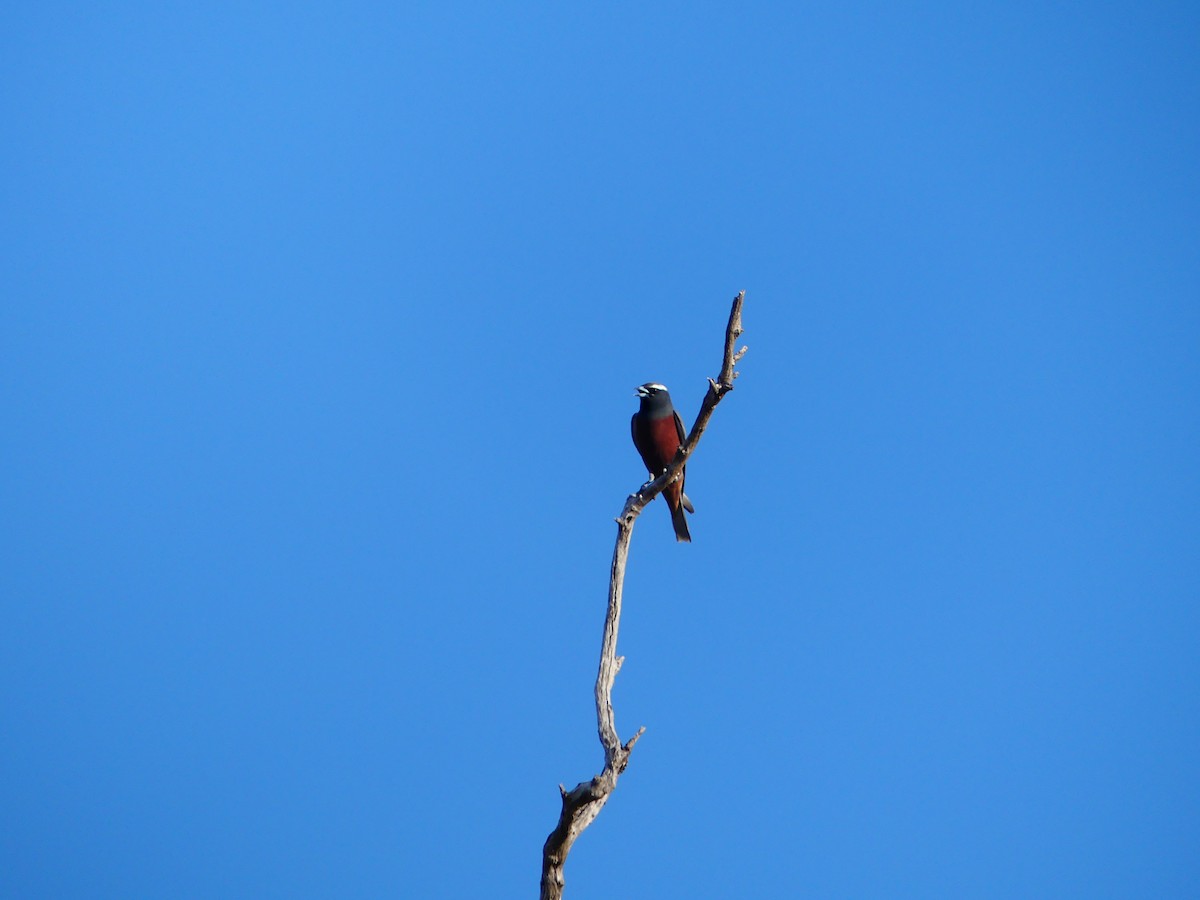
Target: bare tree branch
[581,805]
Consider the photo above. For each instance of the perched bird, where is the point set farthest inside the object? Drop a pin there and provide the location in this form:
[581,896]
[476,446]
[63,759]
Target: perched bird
[657,434]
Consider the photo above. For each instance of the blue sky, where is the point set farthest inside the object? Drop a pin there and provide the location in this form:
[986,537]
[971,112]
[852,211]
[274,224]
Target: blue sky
[319,336]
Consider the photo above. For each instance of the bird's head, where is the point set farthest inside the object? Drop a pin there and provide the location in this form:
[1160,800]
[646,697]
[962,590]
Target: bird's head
[651,389]
[655,399]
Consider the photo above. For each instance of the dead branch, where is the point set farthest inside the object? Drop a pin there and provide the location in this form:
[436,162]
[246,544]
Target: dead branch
[581,805]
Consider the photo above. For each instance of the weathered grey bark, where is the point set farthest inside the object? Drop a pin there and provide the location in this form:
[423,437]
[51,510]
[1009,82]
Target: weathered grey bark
[581,805]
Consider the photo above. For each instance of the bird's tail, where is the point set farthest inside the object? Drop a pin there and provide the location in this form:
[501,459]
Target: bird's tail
[679,520]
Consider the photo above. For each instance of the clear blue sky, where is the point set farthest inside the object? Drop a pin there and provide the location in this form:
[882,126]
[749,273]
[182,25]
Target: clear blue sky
[318,340]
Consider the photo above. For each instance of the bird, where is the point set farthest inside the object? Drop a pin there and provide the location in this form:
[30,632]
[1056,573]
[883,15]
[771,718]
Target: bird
[658,434]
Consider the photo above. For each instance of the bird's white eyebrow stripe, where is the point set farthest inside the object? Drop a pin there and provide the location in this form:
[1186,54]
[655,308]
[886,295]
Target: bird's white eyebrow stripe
[655,387]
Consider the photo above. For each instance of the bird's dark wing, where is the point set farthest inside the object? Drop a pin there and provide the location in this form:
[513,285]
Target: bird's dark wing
[687,504]
[638,442]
